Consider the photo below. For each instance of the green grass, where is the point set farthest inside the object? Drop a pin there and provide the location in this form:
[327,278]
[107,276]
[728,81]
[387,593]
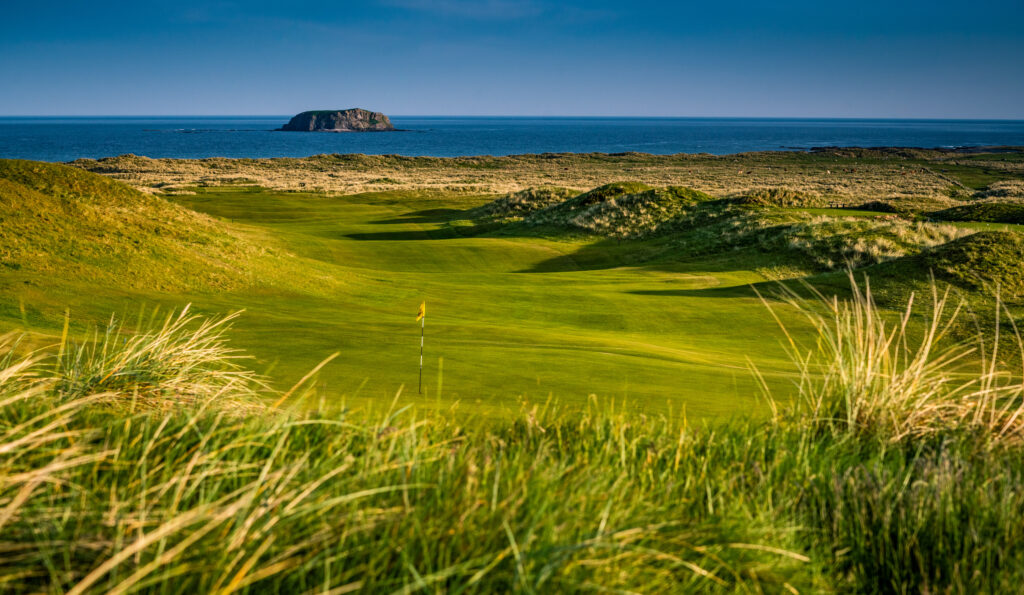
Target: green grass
[601,411]
[509,315]
[894,471]
[512,317]
[664,323]
[988,212]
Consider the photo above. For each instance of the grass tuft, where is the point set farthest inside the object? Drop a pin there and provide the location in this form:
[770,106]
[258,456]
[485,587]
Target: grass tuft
[870,374]
[185,360]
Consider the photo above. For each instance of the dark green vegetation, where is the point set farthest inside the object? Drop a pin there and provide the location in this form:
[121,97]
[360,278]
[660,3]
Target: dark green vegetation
[989,212]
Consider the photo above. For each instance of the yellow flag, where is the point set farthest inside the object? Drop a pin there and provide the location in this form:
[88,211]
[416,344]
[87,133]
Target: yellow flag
[422,312]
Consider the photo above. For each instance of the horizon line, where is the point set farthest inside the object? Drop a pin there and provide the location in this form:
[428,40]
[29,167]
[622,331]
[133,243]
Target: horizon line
[637,117]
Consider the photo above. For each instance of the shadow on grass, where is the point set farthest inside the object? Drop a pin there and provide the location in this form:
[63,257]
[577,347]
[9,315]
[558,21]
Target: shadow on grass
[424,216]
[403,236]
[732,291]
[437,233]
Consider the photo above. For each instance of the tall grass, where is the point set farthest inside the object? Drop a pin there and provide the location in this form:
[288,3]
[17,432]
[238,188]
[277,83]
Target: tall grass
[184,360]
[873,373]
[894,471]
[194,497]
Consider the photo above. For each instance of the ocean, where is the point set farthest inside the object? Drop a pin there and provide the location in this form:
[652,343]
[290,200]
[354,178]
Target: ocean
[69,138]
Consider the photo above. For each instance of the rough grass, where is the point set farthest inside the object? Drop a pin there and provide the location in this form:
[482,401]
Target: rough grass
[59,221]
[781,197]
[1004,189]
[896,471]
[908,178]
[982,266]
[618,210]
[834,243]
[638,214]
[871,375]
[988,262]
[699,224]
[989,212]
[184,360]
[524,202]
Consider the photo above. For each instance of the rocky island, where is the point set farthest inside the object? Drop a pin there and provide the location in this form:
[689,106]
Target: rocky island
[348,120]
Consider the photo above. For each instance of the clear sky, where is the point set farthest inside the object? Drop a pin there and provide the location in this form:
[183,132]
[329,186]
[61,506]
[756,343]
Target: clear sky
[934,59]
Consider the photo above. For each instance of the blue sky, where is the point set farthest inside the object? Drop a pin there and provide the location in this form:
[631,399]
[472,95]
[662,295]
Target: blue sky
[935,59]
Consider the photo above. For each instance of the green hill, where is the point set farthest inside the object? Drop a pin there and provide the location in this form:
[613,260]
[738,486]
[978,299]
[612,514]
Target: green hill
[72,225]
[981,262]
[988,212]
[618,210]
[975,267]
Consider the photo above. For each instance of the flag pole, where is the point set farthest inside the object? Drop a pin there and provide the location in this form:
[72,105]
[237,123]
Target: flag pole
[423,326]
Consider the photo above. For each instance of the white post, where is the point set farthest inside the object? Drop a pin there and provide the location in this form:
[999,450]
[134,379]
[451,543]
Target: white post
[423,326]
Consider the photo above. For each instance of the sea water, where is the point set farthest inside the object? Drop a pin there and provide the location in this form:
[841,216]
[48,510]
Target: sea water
[69,138]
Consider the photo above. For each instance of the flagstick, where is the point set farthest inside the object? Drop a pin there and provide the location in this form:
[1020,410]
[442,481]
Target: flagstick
[423,326]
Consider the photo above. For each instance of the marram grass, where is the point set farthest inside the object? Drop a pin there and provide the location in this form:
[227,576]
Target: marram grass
[183,360]
[872,373]
[126,486]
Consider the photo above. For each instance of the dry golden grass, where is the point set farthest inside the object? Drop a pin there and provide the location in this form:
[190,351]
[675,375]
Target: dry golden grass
[1001,191]
[838,177]
[869,374]
[183,361]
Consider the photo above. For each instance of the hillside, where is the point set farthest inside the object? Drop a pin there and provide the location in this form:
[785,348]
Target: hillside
[988,212]
[980,265]
[60,222]
[690,223]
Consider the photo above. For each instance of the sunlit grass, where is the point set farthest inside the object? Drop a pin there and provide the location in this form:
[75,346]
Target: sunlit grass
[894,471]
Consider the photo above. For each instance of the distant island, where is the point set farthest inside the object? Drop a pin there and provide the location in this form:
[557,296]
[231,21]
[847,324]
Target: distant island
[347,120]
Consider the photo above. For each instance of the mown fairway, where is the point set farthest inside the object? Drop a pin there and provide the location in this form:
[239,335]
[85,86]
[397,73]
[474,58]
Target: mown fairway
[510,316]
[513,318]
